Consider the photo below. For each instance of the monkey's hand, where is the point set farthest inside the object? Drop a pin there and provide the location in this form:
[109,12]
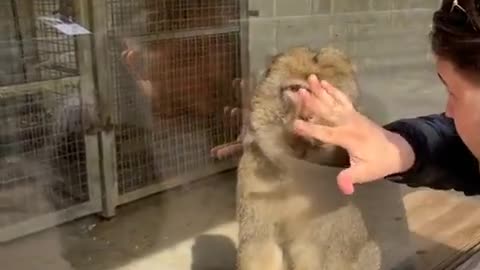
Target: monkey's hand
[231,148]
[227,150]
[132,59]
[233,115]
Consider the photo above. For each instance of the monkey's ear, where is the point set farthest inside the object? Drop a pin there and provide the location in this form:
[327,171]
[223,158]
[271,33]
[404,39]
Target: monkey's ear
[354,68]
[272,58]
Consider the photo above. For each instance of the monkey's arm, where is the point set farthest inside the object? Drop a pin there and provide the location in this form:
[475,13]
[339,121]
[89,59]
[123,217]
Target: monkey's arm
[442,160]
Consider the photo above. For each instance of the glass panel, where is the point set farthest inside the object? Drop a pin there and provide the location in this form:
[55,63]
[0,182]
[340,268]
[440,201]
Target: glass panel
[131,135]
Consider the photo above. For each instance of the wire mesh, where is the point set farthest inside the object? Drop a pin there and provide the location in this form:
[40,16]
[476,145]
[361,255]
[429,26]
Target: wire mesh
[170,131]
[56,51]
[30,49]
[158,16]
[42,163]
[42,151]
[10,50]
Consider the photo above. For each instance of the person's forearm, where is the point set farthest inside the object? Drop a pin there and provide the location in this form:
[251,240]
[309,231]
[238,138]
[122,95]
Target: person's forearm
[442,161]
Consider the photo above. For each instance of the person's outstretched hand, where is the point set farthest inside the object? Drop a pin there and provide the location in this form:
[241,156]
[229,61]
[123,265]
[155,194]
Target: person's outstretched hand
[374,152]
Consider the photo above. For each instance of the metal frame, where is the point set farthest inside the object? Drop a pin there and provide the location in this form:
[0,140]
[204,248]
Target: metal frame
[25,11]
[245,50]
[88,96]
[46,221]
[107,134]
[174,182]
[188,33]
[16,89]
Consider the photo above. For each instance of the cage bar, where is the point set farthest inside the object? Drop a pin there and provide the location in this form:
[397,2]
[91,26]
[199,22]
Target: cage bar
[89,104]
[105,98]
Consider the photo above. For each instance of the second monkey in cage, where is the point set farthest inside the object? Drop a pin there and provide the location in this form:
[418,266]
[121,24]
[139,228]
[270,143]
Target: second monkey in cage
[290,213]
[188,78]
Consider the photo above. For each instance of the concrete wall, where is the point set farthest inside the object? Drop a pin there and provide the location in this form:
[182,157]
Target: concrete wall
[377,33]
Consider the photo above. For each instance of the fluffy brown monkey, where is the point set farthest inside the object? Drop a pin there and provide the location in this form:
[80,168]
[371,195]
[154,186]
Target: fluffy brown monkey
[290,213]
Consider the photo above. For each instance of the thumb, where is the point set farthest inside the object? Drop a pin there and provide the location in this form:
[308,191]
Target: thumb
[352,175]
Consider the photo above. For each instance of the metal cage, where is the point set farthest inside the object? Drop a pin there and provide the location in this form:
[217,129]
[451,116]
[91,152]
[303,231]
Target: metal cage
[49,164]
[190,53]
[81,135]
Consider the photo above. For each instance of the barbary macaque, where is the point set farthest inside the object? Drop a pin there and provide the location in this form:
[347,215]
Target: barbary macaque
[290,212]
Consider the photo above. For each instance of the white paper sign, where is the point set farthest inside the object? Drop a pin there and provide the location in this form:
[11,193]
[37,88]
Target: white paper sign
[71,29]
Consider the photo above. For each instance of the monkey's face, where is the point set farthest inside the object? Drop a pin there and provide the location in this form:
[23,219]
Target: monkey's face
[289,72]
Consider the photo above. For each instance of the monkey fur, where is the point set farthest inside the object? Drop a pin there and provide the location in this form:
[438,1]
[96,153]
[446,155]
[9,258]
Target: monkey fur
[291,215]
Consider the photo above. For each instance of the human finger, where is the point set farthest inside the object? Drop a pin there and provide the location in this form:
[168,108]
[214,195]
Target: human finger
[294,103]
[356,174]
[303,104]
[339,96]
[317,108]
[350,176]
[299,104]
[319,92]
[345,184]
[314,84]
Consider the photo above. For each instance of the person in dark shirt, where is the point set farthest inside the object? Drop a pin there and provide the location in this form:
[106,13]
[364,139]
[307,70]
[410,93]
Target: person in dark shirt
[438,151]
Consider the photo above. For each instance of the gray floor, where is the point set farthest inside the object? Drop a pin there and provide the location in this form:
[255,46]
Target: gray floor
[187,228]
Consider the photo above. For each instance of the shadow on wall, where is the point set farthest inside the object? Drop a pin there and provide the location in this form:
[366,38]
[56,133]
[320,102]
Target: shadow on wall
[214,252]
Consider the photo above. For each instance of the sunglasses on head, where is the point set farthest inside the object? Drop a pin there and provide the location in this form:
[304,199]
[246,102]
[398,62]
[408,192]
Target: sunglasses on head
[456,5]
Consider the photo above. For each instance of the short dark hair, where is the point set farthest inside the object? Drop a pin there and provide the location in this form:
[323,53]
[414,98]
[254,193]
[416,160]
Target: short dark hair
[455,33]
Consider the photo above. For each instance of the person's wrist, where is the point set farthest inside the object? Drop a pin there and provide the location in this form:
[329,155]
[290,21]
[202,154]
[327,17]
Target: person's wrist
[402,153]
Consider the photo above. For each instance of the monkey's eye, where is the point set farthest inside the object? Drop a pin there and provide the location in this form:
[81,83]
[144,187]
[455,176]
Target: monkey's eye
[295,88]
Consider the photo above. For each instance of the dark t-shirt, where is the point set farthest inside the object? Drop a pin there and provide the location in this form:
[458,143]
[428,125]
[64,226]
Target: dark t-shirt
[442,160]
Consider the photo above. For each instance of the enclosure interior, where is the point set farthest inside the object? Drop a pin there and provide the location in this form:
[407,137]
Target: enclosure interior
[107,137]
